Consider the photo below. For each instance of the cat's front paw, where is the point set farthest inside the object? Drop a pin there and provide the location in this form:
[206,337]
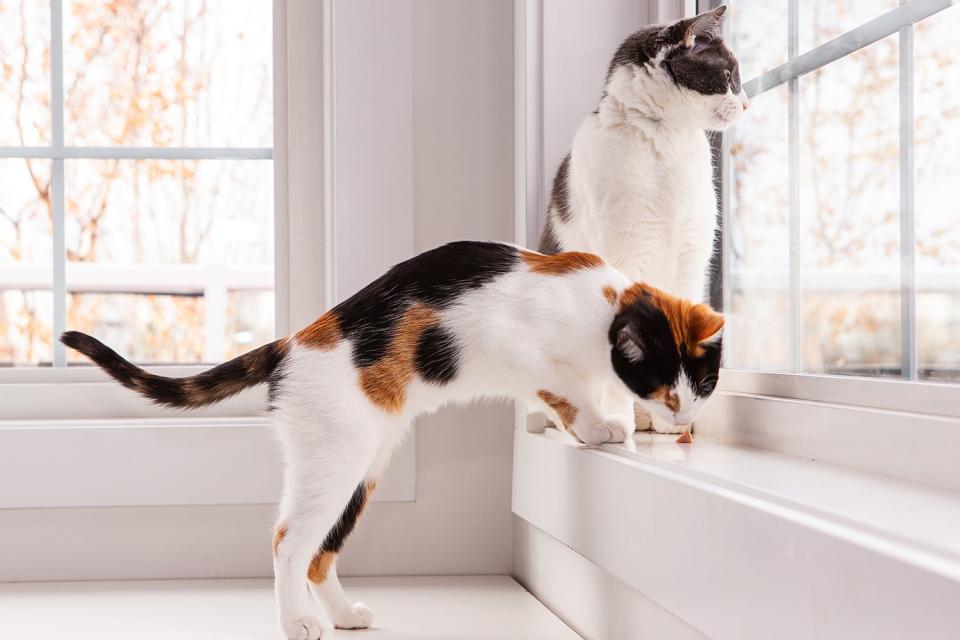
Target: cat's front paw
[593,434]
[642,419]
[609,430]
[662,426]
[620,430]
[359,617]
[306,627]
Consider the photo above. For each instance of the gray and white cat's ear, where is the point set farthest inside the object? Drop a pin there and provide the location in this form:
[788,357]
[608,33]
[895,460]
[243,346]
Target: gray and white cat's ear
[708,24]
[630,344]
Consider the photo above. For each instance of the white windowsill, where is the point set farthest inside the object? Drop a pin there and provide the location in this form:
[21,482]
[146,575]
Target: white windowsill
[701,529]
[898,512]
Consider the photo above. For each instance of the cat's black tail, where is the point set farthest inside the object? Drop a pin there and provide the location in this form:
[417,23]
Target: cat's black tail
[211,386]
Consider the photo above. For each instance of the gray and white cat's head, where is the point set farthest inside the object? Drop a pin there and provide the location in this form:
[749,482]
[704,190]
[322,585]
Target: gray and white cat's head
[680,74]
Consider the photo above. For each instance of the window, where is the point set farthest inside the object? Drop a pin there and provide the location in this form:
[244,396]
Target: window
[841,243]
[136,179]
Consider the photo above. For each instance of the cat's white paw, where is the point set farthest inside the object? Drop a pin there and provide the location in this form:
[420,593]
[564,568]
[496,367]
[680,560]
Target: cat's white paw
[609,430]
[594,434]
[662,426]
[359,617]
[620,430]
[306,627]
[641,419]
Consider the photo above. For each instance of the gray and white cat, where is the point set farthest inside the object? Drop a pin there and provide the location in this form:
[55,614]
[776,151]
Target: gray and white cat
[637,187]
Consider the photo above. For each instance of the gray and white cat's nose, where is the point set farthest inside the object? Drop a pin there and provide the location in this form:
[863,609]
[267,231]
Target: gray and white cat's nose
[744,100]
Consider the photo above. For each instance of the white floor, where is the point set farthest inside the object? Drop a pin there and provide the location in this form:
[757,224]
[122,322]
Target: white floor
[414,608]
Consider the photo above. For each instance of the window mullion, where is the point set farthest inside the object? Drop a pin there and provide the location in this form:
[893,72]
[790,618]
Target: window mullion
[908,301]
[793,148]
[57,182]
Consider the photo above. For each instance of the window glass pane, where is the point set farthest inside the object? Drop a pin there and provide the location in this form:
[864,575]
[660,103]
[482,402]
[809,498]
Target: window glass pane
[937,141]
[26,267]
[24,72]
[849,214]
[758,323]
[756,31]
[155,249]
[824,20]
[250,317]
[176,73]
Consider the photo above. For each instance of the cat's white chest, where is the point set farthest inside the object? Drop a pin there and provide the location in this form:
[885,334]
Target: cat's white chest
[644,202]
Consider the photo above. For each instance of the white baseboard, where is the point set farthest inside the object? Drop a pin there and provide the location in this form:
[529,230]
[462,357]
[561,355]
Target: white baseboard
[156,462]
[596,604]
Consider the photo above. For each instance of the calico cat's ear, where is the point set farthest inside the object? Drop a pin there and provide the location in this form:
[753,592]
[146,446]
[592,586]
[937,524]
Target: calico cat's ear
[630,344]
[703,324]
[707,25]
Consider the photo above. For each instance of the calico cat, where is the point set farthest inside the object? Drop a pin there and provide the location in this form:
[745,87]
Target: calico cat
[637,186]
[462,321]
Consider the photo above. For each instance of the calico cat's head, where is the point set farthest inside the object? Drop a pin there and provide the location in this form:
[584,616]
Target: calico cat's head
[667,351]
[681,72]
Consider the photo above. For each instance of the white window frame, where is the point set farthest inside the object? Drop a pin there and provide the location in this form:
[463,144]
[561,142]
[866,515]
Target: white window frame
[301,246]
[903,395]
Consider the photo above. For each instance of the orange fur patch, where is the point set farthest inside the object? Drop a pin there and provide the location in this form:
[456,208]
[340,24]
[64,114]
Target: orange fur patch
[385,381]
[324,333]
[566,411]
[277,537]
[690,323]
[667,396]
[561,263]
[610,294]
[320,565]
[317,571]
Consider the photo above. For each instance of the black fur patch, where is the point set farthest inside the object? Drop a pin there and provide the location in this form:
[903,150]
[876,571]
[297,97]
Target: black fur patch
[640,48]
[708,67]
[703,372]
[559,209]
[560,194]
[548,239]
[438,356]
[661,363]
[435,278]
[348,520]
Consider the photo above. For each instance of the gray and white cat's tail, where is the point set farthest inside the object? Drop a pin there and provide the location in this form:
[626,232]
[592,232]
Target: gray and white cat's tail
[219,383]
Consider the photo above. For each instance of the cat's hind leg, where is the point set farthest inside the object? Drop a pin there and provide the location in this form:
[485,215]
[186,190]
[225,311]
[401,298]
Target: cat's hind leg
[324,466]
[323,569]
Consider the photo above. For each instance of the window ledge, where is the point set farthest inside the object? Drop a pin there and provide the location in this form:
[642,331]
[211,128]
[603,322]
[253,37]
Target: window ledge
[702,528]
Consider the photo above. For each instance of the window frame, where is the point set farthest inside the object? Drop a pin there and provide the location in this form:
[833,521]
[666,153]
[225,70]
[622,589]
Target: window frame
[303,251]
[58,152]
[907,393]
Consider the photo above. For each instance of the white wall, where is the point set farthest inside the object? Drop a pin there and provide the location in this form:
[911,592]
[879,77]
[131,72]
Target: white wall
[579,39]
[462,188]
